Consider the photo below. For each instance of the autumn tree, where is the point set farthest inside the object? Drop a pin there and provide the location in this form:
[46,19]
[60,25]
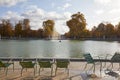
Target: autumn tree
[6,29]
[100,30]
[18,29]
[1,27]
[33,33]
[48,27]
[77,25]
[103,31]
[109,30]
[40,33]
[118,30]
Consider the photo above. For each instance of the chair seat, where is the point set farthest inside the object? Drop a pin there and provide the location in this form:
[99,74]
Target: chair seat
[7,64]
[27,64]
[89,59]
[45,64]
[62,64]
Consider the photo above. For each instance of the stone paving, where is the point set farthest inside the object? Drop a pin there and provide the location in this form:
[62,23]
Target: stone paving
[76,72]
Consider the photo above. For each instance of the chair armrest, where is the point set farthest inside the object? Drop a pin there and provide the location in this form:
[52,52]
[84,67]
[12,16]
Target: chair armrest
[97,57]
[10,61]
[107,55]
[36,60]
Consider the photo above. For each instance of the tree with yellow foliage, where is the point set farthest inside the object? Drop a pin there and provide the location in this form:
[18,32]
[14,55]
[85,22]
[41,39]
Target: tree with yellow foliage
[48,27]
[77,25]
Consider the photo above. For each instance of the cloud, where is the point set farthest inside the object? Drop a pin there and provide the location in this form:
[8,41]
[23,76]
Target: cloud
[67,5]
[38,15]
[13,16]
[107,10]
[102,1]
[9,3]
[99,12]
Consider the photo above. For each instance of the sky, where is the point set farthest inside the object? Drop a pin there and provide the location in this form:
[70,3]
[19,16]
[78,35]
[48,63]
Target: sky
[95,11]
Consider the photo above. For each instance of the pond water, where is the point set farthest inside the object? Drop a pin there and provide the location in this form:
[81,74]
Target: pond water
[56,48]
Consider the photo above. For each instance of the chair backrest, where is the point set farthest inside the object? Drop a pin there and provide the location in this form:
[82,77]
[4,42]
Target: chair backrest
[116,57]
[62,63]
[1,64]
[88,58]
[45,64]
[27,64]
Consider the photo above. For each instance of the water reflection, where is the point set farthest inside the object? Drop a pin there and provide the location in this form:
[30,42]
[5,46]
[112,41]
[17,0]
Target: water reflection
[54,48]
[76,50]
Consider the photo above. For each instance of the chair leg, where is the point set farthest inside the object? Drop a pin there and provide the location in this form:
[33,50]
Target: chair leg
[6,71]
[55,71]
[21,71]
[36,66]
[51,71]
[100,66]
[39,71]
[13,67]
[119,65]
[112,65]
[85,66]
[68,71]
[34,71]
[94,68]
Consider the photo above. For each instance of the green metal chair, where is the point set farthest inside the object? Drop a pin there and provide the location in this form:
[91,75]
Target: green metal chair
[6,65]
[26,65]
[45,64]
[115,59]
[90,60]
[62,64]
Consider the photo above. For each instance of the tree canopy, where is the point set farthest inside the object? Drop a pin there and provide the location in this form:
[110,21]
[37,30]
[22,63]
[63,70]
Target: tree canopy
[77,29]
[77,25]
[48,27]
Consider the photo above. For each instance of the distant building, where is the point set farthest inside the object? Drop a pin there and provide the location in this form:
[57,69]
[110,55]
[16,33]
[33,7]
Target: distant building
[26,24]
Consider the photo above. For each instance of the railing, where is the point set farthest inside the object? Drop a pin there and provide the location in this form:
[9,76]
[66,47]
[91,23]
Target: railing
[51,59]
